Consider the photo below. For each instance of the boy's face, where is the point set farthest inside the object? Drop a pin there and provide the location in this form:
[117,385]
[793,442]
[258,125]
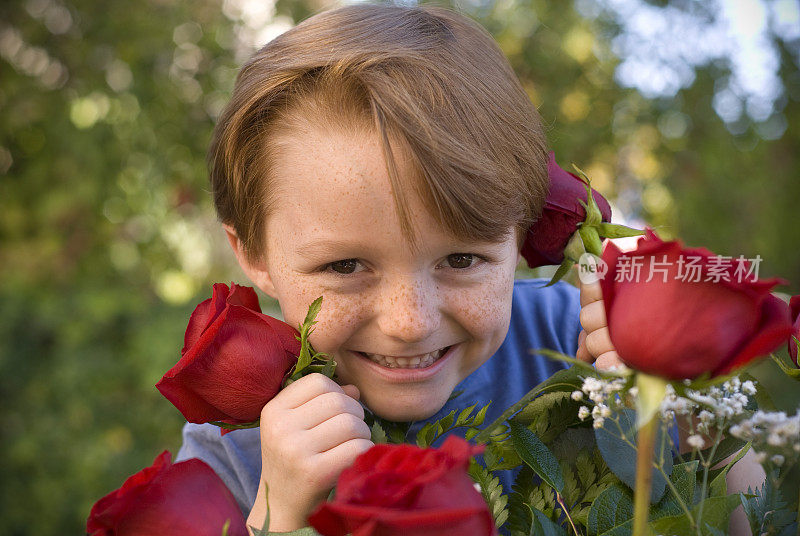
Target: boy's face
[404,326]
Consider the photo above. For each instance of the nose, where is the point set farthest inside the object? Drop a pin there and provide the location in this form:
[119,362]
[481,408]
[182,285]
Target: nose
[410,310]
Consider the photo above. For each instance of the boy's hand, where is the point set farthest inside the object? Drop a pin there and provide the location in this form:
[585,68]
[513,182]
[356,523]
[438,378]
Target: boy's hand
[594,342]
[310,432]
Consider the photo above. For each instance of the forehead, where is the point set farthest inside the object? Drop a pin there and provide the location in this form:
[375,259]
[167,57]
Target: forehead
[337,185]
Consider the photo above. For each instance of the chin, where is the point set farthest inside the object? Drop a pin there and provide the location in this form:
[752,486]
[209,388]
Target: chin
[405,408]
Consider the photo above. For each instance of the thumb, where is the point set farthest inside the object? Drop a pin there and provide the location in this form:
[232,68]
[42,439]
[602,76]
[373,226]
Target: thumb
[351,391]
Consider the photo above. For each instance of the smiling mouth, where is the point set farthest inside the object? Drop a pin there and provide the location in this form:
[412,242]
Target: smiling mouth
[408,362]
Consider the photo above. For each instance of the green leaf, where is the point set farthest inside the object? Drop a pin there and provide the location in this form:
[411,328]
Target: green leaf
[306,328]
[481,415]
[541,406]
[305,531]
[464,415]
[455,394]
[492,491]
[591,240]
[423,440]
[563,269]
[377,433]
[446,422]
[677,524]
[542,526]
[766,509]
[719,486]
[613,230]
[620,530]
[728,446]
[716,513]
[574,249]
[537,456]
[717,510]
[620,455]
[684,480]
[613,507]
[792,372]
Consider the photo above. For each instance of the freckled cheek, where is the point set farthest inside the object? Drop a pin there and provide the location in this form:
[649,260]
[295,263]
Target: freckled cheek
[484,311]
[340,318]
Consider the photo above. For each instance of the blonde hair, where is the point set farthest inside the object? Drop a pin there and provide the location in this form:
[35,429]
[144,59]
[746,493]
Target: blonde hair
[430,79]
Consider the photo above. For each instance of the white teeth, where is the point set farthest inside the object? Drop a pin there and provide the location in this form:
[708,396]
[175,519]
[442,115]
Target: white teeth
[421,361]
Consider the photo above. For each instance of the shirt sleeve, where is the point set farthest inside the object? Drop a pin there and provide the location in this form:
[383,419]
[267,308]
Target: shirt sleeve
[235,457]
[549,316]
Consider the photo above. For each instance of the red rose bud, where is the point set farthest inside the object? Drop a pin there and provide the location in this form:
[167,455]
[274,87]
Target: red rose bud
[233,360]
[562,213]
[675,327]
[396,490]
[183,498]
[794,304]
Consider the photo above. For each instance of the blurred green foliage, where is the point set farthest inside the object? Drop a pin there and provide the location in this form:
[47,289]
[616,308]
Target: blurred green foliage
[108,238]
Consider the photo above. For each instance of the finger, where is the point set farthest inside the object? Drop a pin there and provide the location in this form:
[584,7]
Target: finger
[583,354]
[321,408]
[340,457]
[306,388]
[593,316]
[351,391]
[590,292]
[335,431]
[599,342]
[608,360]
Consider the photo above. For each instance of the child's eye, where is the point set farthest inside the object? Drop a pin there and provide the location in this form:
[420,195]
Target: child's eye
[345,266]
[461,260]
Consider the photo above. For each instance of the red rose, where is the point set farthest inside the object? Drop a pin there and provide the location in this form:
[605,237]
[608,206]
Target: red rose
[794,303]
[396,490]
[562,213]
[183,498]
[674,327]
[233,360]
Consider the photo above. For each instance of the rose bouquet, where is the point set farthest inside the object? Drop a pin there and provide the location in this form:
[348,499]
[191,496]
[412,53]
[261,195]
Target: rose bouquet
[644,448]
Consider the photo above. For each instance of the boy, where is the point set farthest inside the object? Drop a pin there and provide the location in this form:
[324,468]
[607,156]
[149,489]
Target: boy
[388,159]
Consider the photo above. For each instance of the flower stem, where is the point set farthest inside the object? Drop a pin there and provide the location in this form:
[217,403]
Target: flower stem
[560,500]
[644,476]
[706,466]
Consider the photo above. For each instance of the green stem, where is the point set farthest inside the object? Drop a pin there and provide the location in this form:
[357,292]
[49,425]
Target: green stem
[706,467]
[560,500]
[484,435]
[644,476]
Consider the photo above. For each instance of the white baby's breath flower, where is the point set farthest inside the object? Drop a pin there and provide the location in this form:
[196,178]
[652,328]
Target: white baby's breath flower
[772,433]
[598,423]
[761,457]
[695,441]
[749,388]
[775,439]
[778,460]
[706,416]
[583,413]
[577,396]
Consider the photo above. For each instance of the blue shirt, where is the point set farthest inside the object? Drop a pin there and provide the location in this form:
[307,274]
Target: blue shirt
[540,318]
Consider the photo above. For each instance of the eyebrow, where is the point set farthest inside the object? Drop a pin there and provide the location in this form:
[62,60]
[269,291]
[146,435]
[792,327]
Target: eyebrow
[317,248]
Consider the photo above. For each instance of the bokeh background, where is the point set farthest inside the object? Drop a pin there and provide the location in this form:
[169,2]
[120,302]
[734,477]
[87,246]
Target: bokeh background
[684,112]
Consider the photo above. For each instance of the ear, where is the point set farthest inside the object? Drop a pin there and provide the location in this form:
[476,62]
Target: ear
[257,273]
